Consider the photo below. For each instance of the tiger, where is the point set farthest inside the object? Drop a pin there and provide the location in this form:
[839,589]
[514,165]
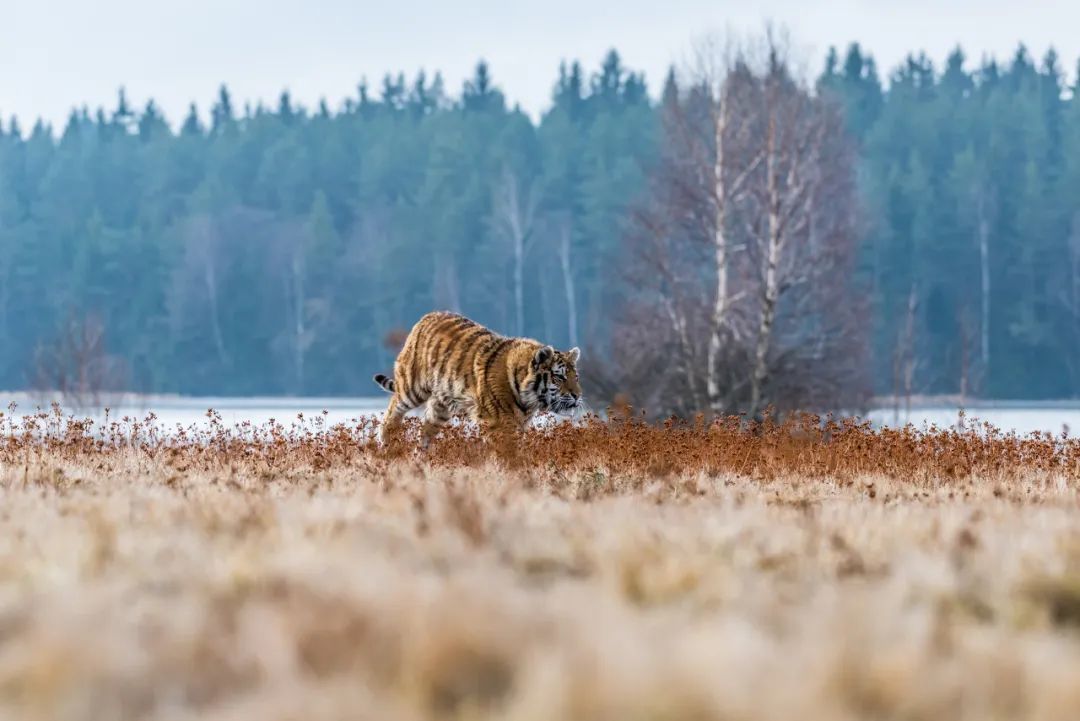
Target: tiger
[459,367]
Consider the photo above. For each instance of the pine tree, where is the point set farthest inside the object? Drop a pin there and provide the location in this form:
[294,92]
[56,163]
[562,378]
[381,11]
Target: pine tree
[607,84]
[285,112]
[670,94]
[393,91]
[222,118]
[192,126]
[123,117]
[152,124]
[479,95]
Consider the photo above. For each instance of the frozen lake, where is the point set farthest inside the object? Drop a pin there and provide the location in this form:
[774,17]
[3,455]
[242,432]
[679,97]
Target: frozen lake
[1021,417]
[186,411]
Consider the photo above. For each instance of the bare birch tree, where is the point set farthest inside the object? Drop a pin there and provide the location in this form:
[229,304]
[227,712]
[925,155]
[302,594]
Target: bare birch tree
[514,216]
[1071,292]
[297,293]
[794,128]
[724,80]
[200,275]
[565,266]
[982,211]
[76,368]
[906,359]
[444,285]
[746,244]
[7,254]
[294,241]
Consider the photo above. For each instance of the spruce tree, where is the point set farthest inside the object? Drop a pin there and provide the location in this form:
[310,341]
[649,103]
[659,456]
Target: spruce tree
[192,126]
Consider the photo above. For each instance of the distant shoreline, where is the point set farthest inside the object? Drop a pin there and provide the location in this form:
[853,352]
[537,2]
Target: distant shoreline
[955,401]
[26,400]
[148,401]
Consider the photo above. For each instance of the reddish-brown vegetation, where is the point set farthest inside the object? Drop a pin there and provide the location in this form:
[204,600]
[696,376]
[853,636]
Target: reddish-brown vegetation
[624,448]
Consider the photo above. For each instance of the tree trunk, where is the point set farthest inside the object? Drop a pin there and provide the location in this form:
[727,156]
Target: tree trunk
[770,294]
[984,272]
[568,285]
[515,216]
[1074,293]
[720,258]
[5,280]
[770,291]
[299,331]
[966,341]
[445,290]
[678,322]
[897,359]
[519,284]
[453,286]
[545,310]
[909,352]
[5,291]
[215,322]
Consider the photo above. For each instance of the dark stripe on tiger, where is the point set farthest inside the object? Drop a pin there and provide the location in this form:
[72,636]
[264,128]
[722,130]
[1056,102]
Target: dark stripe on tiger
[445,331]
[499,401]
[414,368]
[515,386]
[436,351]
[453,346]
[468,342]
[464,368]
[499,346]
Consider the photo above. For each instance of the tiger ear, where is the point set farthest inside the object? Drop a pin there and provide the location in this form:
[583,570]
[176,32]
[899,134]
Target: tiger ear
[573,354]
[542,356]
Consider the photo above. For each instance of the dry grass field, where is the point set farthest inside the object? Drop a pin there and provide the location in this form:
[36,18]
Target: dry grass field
[810,570]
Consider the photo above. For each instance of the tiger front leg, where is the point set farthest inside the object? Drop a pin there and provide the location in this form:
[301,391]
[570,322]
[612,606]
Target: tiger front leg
[501,435]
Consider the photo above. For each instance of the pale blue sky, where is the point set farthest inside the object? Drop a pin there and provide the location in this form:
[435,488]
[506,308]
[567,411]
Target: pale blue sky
[58,53]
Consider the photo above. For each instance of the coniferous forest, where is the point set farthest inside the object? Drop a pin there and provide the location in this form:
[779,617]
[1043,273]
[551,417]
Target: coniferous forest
[282,250]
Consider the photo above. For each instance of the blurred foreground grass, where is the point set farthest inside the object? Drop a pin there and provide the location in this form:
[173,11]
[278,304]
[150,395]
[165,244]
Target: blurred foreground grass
[145,583]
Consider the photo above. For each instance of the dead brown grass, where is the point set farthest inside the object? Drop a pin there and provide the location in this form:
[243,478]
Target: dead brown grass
[608,571]
[624,452]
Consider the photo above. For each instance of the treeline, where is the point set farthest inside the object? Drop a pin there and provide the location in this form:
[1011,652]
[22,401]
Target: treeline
[279,250]
[274,250]
[971,244]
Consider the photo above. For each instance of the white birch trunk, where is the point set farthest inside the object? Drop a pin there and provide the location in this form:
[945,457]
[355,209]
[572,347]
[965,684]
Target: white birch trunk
[568,285]
[720,258]
[519,285]
[210,281]
[516,217]
[299,331]
[984,272]
[682,334]
[770,290]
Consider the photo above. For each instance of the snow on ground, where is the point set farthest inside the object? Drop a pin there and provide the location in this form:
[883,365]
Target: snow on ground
[1021,417]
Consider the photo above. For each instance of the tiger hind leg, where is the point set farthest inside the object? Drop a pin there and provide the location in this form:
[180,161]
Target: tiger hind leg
[436,416]
[399,405]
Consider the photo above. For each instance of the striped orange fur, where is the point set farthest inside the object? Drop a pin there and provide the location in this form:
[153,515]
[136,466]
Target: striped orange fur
[458,366]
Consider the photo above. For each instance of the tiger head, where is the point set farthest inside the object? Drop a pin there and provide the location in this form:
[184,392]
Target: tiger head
[554,379]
